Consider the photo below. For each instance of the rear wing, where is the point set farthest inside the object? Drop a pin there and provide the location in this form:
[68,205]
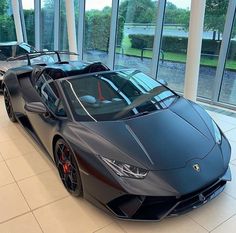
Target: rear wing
[29,56]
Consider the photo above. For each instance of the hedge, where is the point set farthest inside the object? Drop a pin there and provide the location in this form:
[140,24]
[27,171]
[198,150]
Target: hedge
[178,44]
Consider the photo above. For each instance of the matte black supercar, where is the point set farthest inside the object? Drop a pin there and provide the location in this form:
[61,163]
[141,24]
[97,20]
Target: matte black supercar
[122,140]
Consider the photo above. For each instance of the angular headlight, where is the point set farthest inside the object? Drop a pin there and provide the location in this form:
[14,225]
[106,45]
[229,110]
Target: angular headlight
[217,133]
[125,170]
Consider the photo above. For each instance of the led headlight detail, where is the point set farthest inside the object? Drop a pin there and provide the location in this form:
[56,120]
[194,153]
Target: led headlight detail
[217,133]
[125,170]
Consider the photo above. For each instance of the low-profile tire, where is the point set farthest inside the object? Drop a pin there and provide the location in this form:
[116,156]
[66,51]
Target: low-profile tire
[8,105]
[68,168]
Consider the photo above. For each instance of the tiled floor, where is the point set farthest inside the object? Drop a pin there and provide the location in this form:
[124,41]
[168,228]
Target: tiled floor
[33,200]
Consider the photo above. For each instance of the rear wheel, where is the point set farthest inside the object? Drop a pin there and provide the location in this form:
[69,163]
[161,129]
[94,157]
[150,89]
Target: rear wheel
[67,168]
[8,105]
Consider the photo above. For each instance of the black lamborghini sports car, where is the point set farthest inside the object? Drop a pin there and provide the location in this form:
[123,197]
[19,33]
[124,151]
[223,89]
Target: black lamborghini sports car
[124,141]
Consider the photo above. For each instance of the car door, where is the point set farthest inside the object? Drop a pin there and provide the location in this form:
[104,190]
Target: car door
[44,125]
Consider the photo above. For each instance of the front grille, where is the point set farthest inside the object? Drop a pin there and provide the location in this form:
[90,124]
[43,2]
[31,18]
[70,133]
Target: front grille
[156,208]
[199,198]
[141,207]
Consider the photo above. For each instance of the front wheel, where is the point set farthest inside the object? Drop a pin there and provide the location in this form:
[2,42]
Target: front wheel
[67,168]
[8,105]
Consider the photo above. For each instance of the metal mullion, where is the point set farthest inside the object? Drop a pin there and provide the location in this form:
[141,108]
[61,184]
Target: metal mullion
[224,50]
[81,28]
[113,32]
[158,37]
[37,10]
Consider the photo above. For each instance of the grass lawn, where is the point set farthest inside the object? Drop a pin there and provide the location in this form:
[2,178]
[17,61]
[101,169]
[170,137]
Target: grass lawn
[169,56]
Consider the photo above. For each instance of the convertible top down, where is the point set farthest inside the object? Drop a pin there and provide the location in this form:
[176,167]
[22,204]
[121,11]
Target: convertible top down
[124,141]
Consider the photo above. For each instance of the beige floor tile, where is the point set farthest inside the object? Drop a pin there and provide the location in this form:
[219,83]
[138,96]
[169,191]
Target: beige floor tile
[17,147]
[228,119]
[23,224]
[225,126]
[214,115]
[227,227]
[5,122]
[99,217]
[1,158]
[69,216]
[215,212]
[113,228]
[42,189]
[180,224]
[233,162]
[11,132]
[12,202]
[233,150]
[28,165]
[5,175]
[231,186]
[231,134]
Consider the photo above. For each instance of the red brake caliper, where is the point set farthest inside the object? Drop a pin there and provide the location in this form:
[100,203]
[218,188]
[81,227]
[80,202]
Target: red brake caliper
[66,164]
[66,167]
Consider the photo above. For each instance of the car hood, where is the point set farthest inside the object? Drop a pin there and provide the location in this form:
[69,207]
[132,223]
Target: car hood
[162,140]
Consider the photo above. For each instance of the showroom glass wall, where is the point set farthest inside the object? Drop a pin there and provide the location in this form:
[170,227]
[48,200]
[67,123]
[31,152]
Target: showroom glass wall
[63,38]
[97,22]
[214,22]
[135,34]
[7,26]
[29,17]
[47,24]
[137,42]
[228,85]
[174,43]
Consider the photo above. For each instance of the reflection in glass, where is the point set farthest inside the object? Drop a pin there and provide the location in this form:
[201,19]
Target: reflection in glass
[116,95]
[135,34]
[174,44]
[28,9]
[228,86]
[47,13]
[63,39]
[214,21]
[97,30]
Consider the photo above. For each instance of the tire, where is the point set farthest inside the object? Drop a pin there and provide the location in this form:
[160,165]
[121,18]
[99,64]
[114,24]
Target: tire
[8,105]
[68,168]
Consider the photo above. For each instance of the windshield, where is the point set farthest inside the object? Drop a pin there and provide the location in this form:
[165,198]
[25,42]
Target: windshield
[115,95]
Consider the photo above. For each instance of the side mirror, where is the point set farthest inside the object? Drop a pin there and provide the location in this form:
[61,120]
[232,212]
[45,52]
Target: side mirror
[36,107]
[163,82]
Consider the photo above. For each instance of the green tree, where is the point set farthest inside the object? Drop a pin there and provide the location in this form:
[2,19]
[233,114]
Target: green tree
[3,7]
[175,15]
[7,27]
[215,14]
[142,11]
[29,24]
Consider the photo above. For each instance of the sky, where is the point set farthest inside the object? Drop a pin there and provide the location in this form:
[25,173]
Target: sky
[100,4]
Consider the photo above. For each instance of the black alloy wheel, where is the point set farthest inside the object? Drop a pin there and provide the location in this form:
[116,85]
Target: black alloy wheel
[8,105]
[67,168]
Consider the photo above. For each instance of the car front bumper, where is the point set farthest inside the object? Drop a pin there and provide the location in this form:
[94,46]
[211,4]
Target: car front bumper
[142,207]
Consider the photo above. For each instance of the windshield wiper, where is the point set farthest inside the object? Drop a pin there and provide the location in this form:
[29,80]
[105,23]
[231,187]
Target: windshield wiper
[137,115]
